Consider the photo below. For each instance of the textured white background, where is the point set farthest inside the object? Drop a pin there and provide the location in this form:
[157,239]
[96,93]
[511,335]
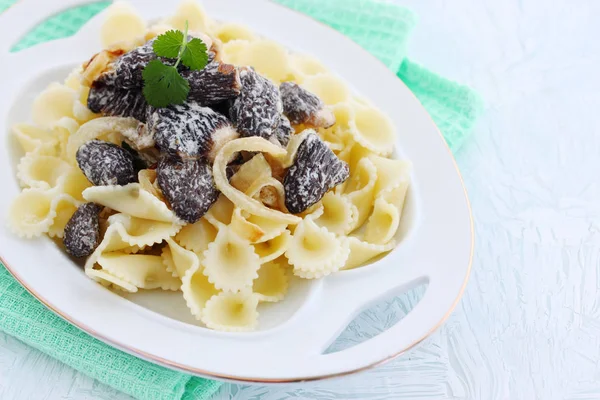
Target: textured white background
[529,324]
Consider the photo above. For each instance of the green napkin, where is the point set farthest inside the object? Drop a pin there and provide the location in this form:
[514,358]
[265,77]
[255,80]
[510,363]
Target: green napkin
[380,27]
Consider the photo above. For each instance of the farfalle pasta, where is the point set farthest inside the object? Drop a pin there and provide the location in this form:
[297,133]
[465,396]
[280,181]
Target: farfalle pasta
[372,129]
[267,57]
[331,89]
[35,139]
[122,24]
[228,32]
[272,282]
[233,312]
[362,252]
[230,262]
[193,13]
[33,212]
[177,259]
[305,66]
[197,236]
[54,103]
[107,279]
[270,166]
[339,214]
[64,208]
[100,128]
[132,200]
[36,170]
[315,252]
[143,271]
[197,290]
[271,249]
[360,190]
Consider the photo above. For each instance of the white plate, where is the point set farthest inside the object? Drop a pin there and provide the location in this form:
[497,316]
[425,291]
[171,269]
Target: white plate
[437,228]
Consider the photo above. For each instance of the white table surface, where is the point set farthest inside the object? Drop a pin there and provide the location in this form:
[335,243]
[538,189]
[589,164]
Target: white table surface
[528,326]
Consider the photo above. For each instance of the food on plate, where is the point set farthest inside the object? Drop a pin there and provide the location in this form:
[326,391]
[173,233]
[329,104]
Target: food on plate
[198,157]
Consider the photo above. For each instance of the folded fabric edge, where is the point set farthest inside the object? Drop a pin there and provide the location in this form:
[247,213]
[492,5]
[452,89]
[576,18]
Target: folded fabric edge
[12,323]
[454,107]
[200,388]
[356,19]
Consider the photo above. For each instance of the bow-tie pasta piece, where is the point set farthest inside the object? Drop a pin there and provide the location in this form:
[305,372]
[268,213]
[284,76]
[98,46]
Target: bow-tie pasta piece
[233,51]
[107,279]
[178,260]
[315,252]
[232,312]
[103,129]
[33,211]
[328,87]
[272,282]
[339,214]
[314,212]
[352,154]
[268,58]
[35,170]
[220,214]
[334,141]
[35,139]
[245,229]
[141,270]
[271,229]
[132,200]
[239,198]
[230,262]
[128,234]
[390,172]
[255,229]
[192,12]
[62,131]
[344,113]
[142,232]
[383,223]
[74,79]
[197,290]
[305,66]
[372,129]
[54,103]
[111,242]
[74,183]
[273,248]
[361,252]
[65,208]
[157,29]
[361,190]
[231,31]
[122,24]
[196,237]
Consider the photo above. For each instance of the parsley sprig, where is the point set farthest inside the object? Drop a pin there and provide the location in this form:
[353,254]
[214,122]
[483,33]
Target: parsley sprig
[163,84]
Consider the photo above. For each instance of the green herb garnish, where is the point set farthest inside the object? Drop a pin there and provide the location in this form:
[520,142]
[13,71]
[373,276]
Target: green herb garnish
[163,84]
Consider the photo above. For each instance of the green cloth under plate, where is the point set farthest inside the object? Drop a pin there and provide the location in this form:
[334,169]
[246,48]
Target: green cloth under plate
[381,28]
